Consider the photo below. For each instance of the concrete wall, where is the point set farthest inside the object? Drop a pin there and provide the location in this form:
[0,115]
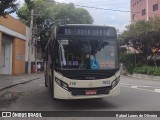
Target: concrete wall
[17,30]
[18,56]
[13,24]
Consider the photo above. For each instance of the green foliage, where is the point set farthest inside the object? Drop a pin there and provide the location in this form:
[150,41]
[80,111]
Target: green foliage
[65,13]
[128,61]
[8,7]
[144,36]
[131,61]
[149,70]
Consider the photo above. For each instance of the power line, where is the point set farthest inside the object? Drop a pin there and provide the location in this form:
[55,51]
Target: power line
[107,9]
[102,8]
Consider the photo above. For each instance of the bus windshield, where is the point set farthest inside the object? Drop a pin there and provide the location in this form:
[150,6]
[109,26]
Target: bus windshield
[86,54]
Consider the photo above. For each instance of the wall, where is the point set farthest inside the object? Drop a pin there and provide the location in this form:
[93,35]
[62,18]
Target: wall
[138,5]
[17,30]
[154,13]
[19,49]
[13,24]
[136,8]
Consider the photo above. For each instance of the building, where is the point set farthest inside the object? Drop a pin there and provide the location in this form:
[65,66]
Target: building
[144,9]
[14,37]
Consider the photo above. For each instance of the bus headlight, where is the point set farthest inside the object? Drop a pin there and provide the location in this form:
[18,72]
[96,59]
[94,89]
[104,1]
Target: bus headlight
[61,84]
[115,82]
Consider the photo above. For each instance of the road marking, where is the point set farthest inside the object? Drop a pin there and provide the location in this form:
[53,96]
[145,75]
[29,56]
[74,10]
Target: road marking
[134,86]
[139,85]
[157,90]
[144,89]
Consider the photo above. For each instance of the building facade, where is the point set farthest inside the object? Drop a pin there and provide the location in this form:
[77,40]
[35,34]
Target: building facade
[14,40]
[144,9]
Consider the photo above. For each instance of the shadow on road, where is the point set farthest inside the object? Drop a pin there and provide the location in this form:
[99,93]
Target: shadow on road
[86,104]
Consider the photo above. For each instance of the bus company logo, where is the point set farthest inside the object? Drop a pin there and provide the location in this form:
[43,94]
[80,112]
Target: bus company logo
[90,84]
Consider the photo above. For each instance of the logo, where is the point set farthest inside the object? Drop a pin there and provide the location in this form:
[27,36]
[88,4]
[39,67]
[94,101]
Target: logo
[90,84]
[6,114]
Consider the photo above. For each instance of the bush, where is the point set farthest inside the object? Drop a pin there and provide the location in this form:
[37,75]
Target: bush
[149,70]
[128,61]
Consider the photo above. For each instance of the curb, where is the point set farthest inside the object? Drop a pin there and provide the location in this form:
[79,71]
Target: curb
[21,82]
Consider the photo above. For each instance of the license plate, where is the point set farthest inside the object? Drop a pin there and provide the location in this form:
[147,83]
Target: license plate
[91,92]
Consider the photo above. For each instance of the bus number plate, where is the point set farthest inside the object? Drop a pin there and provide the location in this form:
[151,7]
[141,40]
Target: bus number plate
[91,92]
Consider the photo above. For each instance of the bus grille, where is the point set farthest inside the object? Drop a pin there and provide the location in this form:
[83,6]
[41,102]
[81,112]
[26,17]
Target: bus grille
[81,91]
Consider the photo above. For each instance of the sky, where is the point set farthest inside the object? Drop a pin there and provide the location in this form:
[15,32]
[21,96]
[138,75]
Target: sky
[116,19]
[105,17]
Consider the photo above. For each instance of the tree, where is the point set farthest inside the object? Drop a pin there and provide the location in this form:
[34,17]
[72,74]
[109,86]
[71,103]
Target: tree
[8,7]
[66,13]
[52,13]
[144,36]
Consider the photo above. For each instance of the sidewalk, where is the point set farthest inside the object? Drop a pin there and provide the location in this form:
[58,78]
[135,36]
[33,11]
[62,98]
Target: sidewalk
[7,81]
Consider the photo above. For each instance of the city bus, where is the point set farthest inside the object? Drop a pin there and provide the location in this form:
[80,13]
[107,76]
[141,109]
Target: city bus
[82,62]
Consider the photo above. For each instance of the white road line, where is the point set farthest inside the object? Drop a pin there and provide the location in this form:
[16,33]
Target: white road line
[140,85]
[157,90]
[144,89]
[134,86]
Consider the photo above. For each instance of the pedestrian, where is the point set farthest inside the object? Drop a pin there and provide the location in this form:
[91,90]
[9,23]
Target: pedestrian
[38,67]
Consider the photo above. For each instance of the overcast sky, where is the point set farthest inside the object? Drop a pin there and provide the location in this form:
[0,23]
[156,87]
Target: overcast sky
[105,17]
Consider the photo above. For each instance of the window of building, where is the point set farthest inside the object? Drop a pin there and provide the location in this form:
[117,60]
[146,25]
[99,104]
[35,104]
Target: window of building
[143,12]
[133,16]
[155,7]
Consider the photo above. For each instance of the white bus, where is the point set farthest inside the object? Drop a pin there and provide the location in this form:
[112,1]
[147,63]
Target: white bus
[82,62]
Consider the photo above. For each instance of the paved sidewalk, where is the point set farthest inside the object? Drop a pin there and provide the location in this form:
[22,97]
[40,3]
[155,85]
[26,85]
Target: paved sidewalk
[7,81]
[146,77]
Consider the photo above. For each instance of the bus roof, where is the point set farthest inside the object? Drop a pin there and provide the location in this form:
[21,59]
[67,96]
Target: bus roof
[86,25]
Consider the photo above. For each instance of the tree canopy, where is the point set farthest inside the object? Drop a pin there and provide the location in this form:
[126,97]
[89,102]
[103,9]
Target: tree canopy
[65,13]
[144,36]
[8,7]
[48,13]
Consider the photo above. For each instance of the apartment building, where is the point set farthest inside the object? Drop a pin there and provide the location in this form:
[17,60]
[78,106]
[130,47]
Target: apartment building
[144,9]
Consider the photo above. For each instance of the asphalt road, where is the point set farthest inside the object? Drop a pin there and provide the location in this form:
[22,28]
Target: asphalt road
[136,95]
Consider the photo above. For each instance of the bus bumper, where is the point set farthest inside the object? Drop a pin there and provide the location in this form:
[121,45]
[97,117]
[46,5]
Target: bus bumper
[61,93]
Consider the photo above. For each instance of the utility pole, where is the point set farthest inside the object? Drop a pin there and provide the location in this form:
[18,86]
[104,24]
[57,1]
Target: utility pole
[29,44]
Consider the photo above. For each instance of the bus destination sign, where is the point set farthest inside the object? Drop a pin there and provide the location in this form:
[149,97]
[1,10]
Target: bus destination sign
[87,31]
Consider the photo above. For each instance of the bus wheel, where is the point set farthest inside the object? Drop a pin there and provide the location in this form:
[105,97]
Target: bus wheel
[46,80]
